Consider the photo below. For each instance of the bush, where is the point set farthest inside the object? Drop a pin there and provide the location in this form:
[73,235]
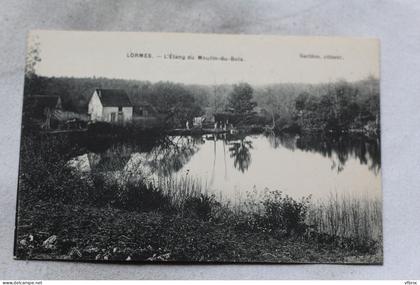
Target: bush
[285,213]
[103,193]
[44,173]
[200,206]
[143,197]
[274,213]
[128,130]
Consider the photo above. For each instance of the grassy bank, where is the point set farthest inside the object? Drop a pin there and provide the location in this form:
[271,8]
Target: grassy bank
[106,233]
[65,215]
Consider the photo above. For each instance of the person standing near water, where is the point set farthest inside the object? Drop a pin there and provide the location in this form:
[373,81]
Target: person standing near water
[187,124]
[225,125]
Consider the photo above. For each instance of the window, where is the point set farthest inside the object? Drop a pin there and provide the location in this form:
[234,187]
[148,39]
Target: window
[119,109]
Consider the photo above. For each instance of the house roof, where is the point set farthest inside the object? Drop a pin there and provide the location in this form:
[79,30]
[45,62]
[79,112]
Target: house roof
[114,98]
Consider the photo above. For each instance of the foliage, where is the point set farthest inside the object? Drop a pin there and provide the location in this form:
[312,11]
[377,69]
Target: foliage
[44,172]
[339,106]
[240,99]
[32,56]
[284,213]
[143,196]
[356,221]
[175,102]
[200,206]
[130,130]
[342,107]
[109,234]
[275,213]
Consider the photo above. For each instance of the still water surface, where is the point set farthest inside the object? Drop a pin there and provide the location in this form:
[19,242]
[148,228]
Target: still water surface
[231,165]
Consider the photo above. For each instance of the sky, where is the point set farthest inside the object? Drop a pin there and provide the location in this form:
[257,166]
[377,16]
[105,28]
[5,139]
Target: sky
[155,57]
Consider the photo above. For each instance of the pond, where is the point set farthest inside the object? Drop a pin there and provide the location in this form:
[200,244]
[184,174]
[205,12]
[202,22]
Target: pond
[232,165]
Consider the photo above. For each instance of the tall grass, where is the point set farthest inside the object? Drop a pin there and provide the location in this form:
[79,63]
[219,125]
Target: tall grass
[354,222]
[355,218]
[181,188]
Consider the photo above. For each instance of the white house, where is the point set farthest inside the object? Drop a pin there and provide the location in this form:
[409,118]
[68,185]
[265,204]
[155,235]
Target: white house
[110,105]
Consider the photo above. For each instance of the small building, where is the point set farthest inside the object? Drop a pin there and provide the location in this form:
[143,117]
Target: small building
[144,110]
[145,115]
[110,105]
[198,121]
[42,109]
[208,117]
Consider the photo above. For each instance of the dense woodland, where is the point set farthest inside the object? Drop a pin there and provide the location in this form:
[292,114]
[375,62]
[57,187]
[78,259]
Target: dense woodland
[338,106]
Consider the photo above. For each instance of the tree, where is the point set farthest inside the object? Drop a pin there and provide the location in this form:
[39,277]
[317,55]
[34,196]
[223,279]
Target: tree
[300,103]
[240,99]
[175,102]
[32,56]
[32,59]
[218,102]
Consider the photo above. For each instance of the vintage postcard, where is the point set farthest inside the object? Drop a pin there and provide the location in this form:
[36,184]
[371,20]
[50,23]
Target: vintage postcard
[166,147]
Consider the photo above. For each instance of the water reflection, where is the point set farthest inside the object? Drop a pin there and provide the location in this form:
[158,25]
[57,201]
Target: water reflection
[241,154]
[287,141]
[162,156]
[239,147]
[344,147]
[337,148]
[300,164]
[172,154]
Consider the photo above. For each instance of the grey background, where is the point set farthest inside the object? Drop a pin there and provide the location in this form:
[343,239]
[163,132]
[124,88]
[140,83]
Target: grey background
[395,22]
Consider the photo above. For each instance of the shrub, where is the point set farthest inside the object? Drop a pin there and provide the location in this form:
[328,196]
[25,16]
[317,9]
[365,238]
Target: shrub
[273,213]
[200,206]
[103,193]
[143,197]
[285,213]
[128,130]
[44,173]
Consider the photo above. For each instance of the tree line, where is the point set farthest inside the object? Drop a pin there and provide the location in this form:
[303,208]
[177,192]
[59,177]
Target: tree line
[331,106]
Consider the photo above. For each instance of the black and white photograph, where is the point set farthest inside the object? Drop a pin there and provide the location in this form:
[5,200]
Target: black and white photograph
[200,148]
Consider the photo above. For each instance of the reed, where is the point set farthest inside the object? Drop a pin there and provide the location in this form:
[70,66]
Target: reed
[180,188]
[358,218]
[355,218]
